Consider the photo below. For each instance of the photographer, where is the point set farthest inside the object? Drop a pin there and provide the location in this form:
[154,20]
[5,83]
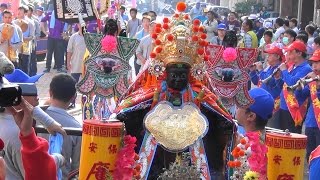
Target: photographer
[9,132]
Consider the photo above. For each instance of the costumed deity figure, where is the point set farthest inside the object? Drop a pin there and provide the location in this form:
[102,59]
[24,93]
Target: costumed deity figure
[227,71]
[170,110]
[107,70]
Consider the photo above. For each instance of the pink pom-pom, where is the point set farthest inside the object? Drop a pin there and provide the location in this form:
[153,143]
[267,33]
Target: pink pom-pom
[229,55]
[109,43]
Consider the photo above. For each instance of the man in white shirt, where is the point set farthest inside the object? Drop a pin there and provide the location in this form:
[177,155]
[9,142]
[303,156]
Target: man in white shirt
[145,47]
[279,26]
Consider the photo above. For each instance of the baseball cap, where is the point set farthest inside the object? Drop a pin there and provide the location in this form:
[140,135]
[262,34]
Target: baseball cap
[252,16]
[274,50]
[296,45]
[40,9]
[315,56]
[222,26]
[19,76]
[28,89]
[263,104]
[260,20]
[267,24]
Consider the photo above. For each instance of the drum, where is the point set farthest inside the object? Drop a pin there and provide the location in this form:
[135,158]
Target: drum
[100,145]
[286,155]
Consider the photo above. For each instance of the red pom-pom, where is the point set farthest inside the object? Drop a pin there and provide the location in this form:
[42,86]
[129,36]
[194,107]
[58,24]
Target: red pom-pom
[231,164]
[1,144]
[195,29]
[157,42]
[203,36]
[195,38]
[241,153]
[236,149]
[247,146]
[200,51]
[229,55]
[206,58]
[158,49]
[235,154]
[202,43]
[237,163]
[154,36]
[166,26]
[158,25]
[166,20]
[153,55]
[186,17]
[170,37]
[181,6]
[243,141]
[176,15]
[157,30]
[196,22]
[201,29]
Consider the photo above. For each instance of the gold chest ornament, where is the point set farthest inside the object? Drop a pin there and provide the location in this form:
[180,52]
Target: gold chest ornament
[176,128]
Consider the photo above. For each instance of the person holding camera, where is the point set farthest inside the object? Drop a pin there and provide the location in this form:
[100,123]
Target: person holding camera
[9,131]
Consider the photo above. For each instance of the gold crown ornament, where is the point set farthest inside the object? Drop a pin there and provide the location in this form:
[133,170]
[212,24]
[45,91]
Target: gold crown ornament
[179,41]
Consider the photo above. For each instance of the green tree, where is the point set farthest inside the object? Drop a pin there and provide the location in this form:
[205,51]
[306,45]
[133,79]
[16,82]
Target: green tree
[244,8]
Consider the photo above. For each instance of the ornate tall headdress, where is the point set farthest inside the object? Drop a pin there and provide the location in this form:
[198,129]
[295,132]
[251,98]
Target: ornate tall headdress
[179,41]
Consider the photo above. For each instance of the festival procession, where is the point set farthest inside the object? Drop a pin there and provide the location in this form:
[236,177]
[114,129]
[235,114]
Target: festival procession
[159,90]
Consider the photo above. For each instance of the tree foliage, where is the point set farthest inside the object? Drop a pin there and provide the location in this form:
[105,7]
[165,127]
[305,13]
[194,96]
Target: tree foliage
[244,8]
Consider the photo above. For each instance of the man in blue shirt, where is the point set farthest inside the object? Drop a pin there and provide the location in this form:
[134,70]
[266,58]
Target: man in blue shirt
[274,85]
[296,54]
[312,129]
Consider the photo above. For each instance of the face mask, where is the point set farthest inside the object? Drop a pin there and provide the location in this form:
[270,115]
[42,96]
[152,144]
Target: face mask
[285,40]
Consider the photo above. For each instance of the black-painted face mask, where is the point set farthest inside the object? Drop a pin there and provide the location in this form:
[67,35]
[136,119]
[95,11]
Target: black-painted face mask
[177,76]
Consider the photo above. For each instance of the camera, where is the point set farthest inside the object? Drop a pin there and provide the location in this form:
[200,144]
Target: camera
[10,94]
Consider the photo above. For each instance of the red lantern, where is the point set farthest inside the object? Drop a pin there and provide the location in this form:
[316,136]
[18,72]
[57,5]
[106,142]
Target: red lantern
[196,22]
[170,37]
[166,26]
[200,51]
[181,6]
[153,55]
